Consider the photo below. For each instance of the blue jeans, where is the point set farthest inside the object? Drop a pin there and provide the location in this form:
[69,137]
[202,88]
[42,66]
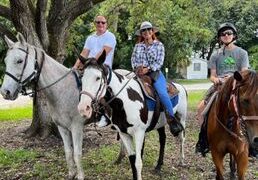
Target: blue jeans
[161,87]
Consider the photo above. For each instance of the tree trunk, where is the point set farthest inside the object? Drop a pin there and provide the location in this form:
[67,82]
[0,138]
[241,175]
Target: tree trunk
[41,124]
[23,21]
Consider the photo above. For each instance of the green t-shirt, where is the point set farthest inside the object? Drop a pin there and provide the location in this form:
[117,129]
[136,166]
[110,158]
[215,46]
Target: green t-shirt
[233,60]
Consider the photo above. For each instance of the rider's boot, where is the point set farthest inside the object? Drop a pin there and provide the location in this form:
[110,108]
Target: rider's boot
[175,126]
[200,109]
[253,152]
[202,145]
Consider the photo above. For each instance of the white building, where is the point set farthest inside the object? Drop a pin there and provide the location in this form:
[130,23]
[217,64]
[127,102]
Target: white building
[198,68]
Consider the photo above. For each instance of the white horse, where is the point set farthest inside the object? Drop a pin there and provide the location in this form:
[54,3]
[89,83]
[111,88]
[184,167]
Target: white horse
[25,62]
[130,114]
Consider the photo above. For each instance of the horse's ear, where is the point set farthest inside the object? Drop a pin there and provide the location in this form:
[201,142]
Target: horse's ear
[237,76]
[102,57]
[8,41]
[21,38]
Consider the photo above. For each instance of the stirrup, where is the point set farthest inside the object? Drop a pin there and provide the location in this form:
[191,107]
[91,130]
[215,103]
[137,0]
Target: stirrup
[201,148]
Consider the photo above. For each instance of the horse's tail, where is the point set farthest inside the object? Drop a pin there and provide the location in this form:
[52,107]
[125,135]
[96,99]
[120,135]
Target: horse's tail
[182,101]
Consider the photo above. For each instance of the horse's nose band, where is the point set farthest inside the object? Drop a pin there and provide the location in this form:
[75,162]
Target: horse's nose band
[88,94]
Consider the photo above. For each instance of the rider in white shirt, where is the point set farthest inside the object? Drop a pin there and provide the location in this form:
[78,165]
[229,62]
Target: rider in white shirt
[96,43]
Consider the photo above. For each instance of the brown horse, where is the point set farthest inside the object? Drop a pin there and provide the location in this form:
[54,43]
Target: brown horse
[233,122]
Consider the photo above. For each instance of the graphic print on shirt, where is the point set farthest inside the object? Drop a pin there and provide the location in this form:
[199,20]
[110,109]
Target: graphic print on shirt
[228,64]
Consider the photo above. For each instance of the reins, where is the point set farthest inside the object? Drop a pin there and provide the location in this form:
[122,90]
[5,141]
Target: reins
[120,89]
[229,131]
[53,83]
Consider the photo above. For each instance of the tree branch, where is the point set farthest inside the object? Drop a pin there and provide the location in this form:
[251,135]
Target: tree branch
[5,12]
[78,7]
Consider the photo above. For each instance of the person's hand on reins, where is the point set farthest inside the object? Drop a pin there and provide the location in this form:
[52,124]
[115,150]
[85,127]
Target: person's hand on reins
[140,71]
[220,80]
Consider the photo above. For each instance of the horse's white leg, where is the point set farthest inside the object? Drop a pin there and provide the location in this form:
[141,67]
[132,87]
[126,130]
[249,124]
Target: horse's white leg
[182,114]
[128,143]
[77,135]
[182,141]
[68,148]
[182,151]
[139,138]
[122,153]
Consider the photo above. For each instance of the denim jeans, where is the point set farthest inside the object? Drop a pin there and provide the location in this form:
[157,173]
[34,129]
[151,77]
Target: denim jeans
[161,87]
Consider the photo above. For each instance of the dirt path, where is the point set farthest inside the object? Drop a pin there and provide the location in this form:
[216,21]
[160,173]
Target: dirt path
[200,86]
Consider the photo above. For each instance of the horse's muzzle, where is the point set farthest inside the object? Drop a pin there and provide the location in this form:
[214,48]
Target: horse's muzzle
[85,110]
[8,95]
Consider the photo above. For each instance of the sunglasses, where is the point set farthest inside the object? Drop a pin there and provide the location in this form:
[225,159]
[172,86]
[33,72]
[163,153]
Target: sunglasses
[147,29]
[100,22]
[227,33]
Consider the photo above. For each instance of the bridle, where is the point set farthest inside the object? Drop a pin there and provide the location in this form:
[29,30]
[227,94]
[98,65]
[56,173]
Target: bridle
[34,76]
[240,119]
[235,99]
[95,100]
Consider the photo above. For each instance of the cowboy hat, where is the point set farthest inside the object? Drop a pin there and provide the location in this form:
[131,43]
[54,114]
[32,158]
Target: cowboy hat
[146,25]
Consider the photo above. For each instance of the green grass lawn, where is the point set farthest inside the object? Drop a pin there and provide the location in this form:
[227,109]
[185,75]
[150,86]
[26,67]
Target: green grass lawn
[16,114]
[194,97]
[14,158]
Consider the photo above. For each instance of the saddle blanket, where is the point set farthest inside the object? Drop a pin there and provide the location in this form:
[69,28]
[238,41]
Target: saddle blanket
[151,103]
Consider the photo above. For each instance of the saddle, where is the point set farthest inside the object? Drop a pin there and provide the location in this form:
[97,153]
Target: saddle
[146,84]
[211,96]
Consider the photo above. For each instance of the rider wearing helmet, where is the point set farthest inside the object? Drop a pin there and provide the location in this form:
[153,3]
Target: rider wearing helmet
[229,57]
[223,63]
[227,26]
